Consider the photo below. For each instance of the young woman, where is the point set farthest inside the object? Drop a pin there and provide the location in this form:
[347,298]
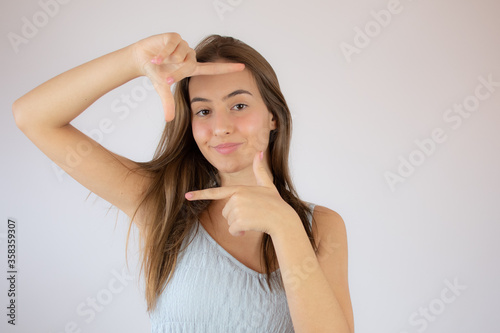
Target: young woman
[227,245]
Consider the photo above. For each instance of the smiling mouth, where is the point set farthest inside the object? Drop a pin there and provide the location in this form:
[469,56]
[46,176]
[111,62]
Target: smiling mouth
[227,148]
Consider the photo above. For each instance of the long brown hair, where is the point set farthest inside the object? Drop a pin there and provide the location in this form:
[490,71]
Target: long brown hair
[178,167]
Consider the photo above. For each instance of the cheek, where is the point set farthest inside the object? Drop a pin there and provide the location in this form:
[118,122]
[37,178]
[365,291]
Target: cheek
[201,133]
[258,133]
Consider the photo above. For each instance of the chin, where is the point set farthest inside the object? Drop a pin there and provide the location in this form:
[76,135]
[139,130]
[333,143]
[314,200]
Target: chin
[228,167]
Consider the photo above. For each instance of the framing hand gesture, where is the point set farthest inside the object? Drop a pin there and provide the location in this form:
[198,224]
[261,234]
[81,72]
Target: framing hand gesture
[166,59]
[258,208]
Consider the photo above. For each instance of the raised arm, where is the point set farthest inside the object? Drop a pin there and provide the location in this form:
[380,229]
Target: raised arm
[44,114]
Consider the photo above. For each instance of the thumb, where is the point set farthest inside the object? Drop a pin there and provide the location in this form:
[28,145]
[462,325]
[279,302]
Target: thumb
[261,175]
[162,87]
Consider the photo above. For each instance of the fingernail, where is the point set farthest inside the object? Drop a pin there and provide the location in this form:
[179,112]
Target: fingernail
[261,155]
[156,60]
[170,80]
[189,195]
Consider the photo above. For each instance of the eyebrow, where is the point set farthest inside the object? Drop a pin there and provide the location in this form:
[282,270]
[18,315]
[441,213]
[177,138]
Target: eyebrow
[234,93]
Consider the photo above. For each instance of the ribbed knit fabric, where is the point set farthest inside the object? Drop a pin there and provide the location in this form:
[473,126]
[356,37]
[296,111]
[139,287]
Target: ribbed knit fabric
[212,292]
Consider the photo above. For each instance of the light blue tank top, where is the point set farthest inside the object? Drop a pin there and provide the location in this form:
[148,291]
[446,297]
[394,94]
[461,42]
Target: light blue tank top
[212,292]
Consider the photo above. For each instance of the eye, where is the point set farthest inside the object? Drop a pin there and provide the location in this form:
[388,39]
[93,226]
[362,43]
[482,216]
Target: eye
[202,113]
[240,106]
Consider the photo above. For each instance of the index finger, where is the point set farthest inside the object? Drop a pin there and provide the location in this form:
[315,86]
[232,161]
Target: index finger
[213,68]
[215,193]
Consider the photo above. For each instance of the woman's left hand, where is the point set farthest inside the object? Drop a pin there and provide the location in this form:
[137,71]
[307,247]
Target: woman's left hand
[257,208]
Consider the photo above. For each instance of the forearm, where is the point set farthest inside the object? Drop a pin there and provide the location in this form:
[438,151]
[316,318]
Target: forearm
[312,303]
[61,99]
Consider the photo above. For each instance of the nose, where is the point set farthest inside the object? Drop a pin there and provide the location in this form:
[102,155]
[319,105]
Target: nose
[222,123]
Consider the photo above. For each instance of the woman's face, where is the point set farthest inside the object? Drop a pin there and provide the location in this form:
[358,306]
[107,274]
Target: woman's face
[230,121]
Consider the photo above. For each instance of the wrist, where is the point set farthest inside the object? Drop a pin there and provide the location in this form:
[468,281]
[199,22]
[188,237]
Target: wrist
[133,66]
[286,227]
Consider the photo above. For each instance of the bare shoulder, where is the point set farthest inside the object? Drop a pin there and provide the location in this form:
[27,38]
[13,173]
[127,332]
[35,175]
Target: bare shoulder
[324,213]
[329,227]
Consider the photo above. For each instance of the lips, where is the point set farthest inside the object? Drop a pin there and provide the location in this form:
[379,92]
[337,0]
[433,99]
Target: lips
[226,148]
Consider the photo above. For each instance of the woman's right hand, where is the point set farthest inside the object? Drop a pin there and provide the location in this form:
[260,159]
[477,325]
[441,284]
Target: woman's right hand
[166,59]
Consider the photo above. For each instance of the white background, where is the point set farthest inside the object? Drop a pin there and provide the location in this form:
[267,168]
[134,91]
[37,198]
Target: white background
[355,118]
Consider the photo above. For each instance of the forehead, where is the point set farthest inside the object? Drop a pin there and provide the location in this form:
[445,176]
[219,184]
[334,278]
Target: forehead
[215,87]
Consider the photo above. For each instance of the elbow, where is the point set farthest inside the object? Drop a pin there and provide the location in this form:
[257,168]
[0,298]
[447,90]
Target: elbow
[21,115]
[17,113]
